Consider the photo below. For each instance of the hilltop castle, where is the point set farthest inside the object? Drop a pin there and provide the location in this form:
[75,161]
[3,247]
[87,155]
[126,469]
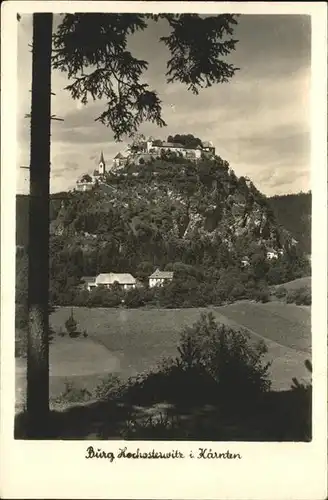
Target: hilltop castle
[144,151]
[148,149]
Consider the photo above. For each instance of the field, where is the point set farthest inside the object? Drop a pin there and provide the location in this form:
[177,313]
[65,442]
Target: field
[297,284]
[126,342]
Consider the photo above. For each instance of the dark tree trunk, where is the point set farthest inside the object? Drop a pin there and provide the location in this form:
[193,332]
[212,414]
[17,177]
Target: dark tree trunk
[38,344]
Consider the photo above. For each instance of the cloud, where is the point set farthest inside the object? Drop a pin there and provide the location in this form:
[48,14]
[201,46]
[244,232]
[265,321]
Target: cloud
[259,121]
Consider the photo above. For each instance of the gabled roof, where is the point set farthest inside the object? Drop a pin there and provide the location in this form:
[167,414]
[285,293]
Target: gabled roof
[110,278]
[162,274]
[102,158]
[119,156]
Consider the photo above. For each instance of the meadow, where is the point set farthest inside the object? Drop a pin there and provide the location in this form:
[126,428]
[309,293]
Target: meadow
[126,341]
[297,284]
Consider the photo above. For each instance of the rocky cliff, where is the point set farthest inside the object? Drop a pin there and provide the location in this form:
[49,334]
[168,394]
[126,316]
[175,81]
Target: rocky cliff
[170,210]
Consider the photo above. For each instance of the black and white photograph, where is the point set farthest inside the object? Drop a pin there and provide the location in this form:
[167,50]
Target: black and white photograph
[179,289]
[164,229]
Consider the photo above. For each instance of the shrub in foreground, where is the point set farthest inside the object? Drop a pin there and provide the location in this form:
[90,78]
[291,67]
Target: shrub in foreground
[215,363]
[227,355]
[301,296]
[280,292]
[72,394]
[71,325]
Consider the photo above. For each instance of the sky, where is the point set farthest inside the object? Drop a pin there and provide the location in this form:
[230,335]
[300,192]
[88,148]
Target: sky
[259,122]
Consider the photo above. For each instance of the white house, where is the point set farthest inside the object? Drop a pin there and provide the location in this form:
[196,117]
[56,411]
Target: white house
[159,278]
[125,280]
[272,254]
[245,262]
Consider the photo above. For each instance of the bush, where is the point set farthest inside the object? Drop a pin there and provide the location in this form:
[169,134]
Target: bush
[304,297]
[238,292]
[215,364]
[291,296]
[71,325]
[134,298]
[73,394]
[170,384]
[301,296]
[280,292]
[259,292]
[227,356]
[262,295]
[109,387]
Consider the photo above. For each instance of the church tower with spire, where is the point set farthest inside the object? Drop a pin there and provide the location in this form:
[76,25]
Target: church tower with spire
[102,165]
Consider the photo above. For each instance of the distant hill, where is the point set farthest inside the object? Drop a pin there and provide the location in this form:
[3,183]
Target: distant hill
[293,212]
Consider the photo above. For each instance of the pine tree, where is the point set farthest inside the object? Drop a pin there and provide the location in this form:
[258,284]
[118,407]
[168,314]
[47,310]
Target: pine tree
[38,244]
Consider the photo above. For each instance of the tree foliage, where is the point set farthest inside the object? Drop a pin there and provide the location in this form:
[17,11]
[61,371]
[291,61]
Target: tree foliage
[293,211]
[227,355]
[71,325]
[98,43]
[187,140]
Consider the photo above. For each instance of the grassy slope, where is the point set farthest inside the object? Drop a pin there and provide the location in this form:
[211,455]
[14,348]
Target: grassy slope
[139,338]
[286,330]
[129,341]
[297,284]
[285,324]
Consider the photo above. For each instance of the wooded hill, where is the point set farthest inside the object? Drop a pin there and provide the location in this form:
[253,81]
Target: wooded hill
[195,217]
[293,211]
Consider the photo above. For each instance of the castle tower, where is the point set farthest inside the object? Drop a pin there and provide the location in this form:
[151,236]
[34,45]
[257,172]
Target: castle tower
[102,165]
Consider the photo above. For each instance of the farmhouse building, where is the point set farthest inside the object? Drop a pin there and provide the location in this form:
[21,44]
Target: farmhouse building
[125,280]
[160,278]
